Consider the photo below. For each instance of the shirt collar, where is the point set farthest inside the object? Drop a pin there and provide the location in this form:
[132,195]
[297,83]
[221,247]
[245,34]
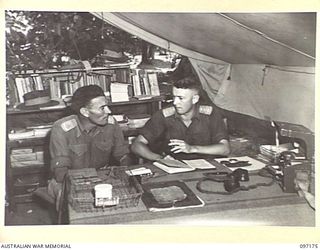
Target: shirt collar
[81,129]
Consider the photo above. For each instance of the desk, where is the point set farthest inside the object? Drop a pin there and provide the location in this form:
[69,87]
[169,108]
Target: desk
[260,206]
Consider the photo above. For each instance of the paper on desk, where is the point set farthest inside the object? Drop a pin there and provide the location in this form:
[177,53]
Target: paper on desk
[173,170]
[171,165]
[139,171]
[255,164]
[199,164]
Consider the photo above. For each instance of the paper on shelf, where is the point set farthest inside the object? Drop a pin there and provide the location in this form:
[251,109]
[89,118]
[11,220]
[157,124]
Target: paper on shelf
[17,164]
[29,134]
[21,135]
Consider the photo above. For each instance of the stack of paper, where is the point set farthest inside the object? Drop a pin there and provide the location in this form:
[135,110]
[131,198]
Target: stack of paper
[26,157]
[273,151]
[29,134]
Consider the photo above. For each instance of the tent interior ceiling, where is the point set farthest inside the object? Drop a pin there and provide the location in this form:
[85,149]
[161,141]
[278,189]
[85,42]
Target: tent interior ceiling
[284,39]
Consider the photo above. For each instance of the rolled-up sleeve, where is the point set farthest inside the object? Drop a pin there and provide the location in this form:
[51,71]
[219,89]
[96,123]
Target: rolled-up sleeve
[218,128]
[58,148]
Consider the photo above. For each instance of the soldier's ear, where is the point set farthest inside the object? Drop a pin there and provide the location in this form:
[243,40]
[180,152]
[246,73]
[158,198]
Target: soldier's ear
[84,111]
[195,98]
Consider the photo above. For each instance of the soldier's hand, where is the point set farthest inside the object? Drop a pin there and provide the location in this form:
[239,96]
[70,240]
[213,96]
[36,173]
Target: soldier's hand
[179,146]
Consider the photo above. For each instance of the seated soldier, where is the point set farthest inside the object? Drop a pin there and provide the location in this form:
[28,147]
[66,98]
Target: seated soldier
[187,130]
[88,139]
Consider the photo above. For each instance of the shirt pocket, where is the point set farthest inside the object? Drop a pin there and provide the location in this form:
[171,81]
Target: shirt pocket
[79,149]
[103,146]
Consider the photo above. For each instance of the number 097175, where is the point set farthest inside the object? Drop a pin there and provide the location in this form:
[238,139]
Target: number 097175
[308,246]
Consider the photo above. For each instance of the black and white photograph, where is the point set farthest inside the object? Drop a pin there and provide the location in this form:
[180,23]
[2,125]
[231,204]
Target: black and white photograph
[160,118]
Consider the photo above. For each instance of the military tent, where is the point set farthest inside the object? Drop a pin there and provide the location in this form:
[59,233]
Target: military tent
[260,65]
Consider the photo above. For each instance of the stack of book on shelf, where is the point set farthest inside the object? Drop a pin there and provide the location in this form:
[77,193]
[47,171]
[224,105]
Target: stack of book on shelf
[138,120]
[30,132]
[63,82]
[27,84]
[145,83]
[26,157]
[119,92]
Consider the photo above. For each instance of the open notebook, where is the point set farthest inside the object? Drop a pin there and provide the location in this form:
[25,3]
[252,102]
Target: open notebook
[171,165]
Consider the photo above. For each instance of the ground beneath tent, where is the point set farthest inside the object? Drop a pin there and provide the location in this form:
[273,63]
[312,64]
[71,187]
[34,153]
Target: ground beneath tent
[33,213]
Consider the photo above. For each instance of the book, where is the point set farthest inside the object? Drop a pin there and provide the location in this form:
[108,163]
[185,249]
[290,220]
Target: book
[20,164]
[55,89]
[119,92]
[29,134]
[35,156]
[153,81]
[23,157]
[171,165]
[136,85]
[20,88]
[170,195]
[17,151]
[142,86]
[146,84]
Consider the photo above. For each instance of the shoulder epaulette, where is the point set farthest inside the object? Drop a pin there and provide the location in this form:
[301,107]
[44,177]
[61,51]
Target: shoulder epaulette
[168,111]
[68,125]
[204,109]
[111,119]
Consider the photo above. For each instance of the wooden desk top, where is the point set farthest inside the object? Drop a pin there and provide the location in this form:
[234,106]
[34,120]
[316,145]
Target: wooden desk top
[262,205]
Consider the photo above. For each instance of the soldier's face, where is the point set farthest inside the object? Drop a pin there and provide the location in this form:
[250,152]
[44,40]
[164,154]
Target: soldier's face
[184,100]
[98,111]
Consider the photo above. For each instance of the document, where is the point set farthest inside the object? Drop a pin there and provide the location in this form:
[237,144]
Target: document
[171,165]
[199,164]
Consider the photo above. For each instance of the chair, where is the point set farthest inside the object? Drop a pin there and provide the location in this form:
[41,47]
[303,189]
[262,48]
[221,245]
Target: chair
[60,215]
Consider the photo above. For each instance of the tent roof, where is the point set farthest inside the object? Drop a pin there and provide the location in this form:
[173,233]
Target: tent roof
[286,39]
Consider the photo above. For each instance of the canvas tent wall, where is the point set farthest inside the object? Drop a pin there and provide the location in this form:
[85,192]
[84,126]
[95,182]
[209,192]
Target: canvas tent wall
[258,64]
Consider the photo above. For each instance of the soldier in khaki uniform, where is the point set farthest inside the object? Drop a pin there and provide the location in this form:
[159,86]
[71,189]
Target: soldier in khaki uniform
[88,139]
[187,130]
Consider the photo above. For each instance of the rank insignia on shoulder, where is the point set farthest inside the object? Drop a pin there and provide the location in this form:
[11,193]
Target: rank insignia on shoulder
[68,125]
[168,111]
[111,119]
[204,109]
